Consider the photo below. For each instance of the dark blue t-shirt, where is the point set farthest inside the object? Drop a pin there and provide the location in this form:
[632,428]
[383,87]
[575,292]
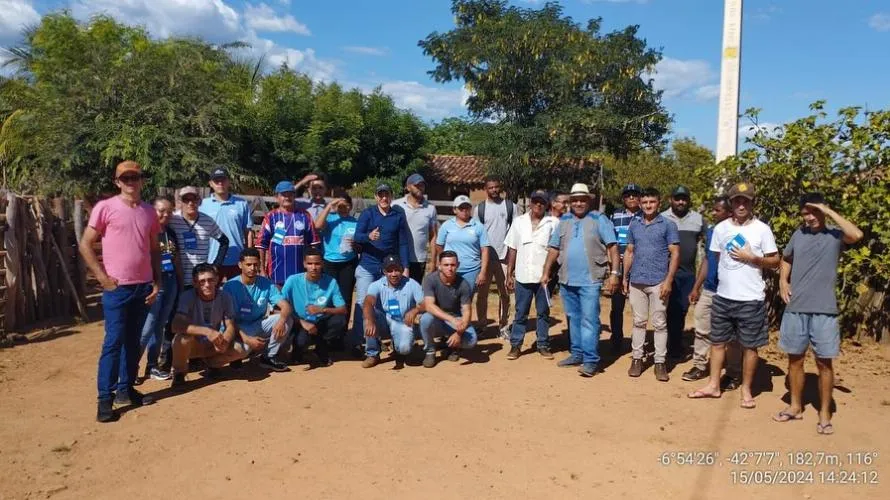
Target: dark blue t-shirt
[713,261]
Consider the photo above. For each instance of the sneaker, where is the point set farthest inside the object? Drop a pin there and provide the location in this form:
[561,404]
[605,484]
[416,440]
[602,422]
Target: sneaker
[273,364]
[131,398]
[636,368]
[545,352]
[504,332]
[695,373]
[569,361]
[661,373]
[178,382]
[105,412]
[587,369]
[515,352]
[454,355]
[370,362]
[158,374]
[429,360]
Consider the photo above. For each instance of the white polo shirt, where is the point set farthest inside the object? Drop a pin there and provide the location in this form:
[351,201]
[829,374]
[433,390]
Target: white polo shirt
[531,246]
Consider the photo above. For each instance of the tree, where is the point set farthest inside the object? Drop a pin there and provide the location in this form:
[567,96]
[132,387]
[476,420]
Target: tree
[457,136]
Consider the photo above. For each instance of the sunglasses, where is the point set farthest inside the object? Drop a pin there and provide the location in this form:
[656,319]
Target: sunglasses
[130,178]
[190,199]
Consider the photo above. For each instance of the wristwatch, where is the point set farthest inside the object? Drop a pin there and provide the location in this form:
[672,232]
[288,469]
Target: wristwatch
[616,273]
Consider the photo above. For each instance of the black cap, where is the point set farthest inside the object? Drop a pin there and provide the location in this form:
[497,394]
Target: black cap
[219,172]
[540,194]
[680,191]
[631,188]
[390,261]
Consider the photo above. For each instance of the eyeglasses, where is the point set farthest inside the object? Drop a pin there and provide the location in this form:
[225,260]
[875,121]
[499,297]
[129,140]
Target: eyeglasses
[130,178]
[206,281]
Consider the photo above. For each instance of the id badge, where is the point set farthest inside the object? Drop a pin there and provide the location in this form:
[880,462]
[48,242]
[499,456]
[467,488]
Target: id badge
[393,309]
[319,300]
[622,235]
[167,262]
[278,235]
[190,240]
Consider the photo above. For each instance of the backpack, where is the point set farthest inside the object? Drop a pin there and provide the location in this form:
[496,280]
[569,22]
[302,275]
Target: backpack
[481,212]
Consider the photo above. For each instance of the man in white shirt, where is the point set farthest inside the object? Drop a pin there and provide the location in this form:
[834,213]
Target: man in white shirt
[745,247]
[527,242]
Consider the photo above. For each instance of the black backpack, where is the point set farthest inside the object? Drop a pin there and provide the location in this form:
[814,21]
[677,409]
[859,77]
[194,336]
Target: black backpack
[481,211]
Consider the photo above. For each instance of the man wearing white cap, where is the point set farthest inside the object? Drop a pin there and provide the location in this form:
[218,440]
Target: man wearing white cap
[422,224]
[585,245]
[194,230]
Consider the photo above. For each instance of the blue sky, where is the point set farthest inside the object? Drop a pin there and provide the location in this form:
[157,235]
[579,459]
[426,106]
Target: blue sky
[793,51]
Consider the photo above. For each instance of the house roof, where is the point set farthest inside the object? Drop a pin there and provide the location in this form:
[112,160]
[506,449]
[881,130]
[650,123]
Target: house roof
[457,170]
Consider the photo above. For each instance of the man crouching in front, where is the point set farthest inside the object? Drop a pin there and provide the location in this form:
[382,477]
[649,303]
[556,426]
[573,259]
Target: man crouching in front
[204,326]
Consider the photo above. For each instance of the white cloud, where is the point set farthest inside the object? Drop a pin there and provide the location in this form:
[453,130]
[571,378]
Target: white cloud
[427,102]
[707,92]
[880,21]
[766,13]
[305,61]
[769,128]
[263,18]
[15,15]
[368,51]
[685,78]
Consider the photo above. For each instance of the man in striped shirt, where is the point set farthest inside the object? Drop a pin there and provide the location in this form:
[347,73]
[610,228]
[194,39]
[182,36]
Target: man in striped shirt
[630,198]
[194,230]
[284,236]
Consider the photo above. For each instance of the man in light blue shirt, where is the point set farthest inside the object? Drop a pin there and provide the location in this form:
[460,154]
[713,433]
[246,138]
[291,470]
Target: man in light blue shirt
[233,216]
[253,296]
[391,306]
[585,245]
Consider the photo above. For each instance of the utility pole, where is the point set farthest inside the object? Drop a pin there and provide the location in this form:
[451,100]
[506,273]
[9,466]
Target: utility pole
[730,65]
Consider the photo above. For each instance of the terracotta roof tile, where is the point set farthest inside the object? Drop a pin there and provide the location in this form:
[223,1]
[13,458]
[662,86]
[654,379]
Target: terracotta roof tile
[456,169]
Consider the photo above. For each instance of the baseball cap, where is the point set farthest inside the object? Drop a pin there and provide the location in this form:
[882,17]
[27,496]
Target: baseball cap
[415,179]
[540,194]
[743,189]
[127,166]
[461,200]
[680,191]
[187,191]
[631,188]
[383,187]
[219,172]
[284,187]
[391,260]
[580,189]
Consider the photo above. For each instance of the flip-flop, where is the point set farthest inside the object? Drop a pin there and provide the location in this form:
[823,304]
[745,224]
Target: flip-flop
[787,416]
[825,429]
[748,404]
[699,394]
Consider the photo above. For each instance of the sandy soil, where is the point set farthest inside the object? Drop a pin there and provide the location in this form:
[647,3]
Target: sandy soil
[483,428]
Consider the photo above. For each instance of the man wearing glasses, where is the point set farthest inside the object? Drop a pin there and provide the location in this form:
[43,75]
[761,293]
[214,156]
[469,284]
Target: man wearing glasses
[130,276]
[621,219]
[233,216]
[194,230]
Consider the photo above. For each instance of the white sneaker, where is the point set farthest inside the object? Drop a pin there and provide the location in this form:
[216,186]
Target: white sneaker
[505,332]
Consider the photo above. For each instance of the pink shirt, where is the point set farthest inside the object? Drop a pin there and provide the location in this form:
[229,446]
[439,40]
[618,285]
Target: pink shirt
[127,233]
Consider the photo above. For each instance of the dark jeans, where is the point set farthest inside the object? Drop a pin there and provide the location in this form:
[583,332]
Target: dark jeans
[125,311]
[525,292]
[331,330]
[416,270]
[678,305]
[617,315]
[344,274]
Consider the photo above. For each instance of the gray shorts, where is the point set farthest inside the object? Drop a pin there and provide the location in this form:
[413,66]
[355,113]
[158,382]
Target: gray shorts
[742,320]
[800,330]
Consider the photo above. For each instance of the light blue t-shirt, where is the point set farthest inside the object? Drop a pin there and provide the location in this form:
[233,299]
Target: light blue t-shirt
[252,302]
[338,235]
[466,241]
[233,217]
[395,302]
[576,259]
[301,292]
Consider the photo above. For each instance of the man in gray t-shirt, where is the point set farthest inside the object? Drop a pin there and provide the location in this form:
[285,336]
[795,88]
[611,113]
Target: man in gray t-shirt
[423,225]
[446,298]
[496,214]
[806,283]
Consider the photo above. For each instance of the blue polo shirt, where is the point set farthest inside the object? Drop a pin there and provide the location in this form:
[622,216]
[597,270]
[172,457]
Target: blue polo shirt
[338,235]
[396,301]
[252,302]
[394,236]
[576,259]
[652,256]
[301,292]
[234,218]
[466,241]
[713,258]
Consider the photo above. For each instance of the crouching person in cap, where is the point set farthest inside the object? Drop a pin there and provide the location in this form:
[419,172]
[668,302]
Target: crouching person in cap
[446,299]
[205,326]
[253,297]
[391,306]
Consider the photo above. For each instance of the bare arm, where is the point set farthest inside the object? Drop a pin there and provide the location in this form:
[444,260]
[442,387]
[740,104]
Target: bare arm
[699,280]
[852,234]
[181,324]
[628,264]
[322,220]
[434,249]
[248,238]
[668,283]
[785,280]
[612,284]
[431,307]
[511,268]
[368,312]
[90,236]
[552,255]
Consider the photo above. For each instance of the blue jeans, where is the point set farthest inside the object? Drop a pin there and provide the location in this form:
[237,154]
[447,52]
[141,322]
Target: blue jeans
[263,329]
[158,316]
[431,326]
[363,279]
[125,311]
[525,292]
[582,307]
[470,277]
[402,335]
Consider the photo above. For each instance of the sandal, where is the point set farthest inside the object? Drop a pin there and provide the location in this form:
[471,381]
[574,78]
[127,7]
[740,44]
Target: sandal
[700,394]
[787,416]
[748,404]
[824,429]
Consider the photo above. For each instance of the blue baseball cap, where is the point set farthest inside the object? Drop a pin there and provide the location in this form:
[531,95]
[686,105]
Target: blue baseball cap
[631,188]
[284,187]
[540,194]
[414,179]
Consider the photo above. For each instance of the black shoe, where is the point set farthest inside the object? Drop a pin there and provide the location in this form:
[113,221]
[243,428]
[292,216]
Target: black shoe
[400,362]
[273,364]
[515,352]
[695,373]
[178,383]
[105,412]
[454,355]
[237,364]
[213,373]
[730,383]
[636,368]
[131,398]
[545,352]
[429,360]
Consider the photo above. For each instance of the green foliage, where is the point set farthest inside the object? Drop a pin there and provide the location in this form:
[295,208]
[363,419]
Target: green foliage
[457,136]
[846,159]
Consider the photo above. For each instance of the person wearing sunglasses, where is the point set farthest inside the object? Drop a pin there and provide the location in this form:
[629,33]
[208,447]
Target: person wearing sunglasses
[194,230]
[130,276]
[621,219]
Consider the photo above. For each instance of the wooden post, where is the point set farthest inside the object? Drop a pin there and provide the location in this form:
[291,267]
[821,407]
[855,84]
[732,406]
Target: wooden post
[63,239]
[12,262]
[79,226]
[50,289]
[40,280]
[80,305]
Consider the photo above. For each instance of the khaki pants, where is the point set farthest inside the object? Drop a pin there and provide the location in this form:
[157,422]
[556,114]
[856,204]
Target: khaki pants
[497,269]
[186,347]
[646,304]
[702,345]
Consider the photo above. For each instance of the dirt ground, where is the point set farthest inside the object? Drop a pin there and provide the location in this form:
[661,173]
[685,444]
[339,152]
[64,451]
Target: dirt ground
[483,428]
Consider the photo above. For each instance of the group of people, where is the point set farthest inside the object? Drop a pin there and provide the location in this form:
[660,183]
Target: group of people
[198,283]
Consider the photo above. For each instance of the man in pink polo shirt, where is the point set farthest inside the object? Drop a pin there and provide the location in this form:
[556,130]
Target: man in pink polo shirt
[130,276]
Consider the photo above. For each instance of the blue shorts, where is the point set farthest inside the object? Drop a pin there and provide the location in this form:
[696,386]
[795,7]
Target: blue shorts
[799,330]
